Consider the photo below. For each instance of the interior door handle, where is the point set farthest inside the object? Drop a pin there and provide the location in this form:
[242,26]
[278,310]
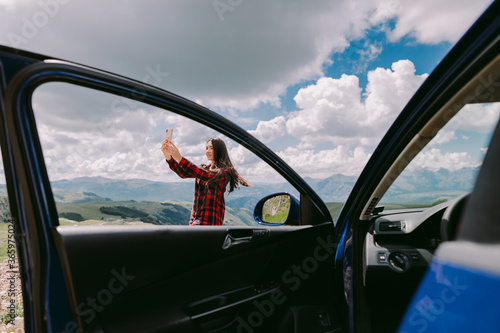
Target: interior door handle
[232,241]
[242,236]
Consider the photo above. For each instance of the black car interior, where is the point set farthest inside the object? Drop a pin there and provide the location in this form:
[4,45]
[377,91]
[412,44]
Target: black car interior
[399,244]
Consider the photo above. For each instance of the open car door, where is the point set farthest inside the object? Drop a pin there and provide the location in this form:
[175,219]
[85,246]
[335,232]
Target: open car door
[162,278]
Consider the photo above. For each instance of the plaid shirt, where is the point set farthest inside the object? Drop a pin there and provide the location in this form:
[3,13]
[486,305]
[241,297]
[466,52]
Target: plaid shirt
[209,206]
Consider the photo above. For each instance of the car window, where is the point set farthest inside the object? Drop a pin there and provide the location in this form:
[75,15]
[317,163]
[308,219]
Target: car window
[104,162]
[448,166]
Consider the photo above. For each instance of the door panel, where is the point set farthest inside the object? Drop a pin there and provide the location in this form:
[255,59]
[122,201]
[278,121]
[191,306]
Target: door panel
[180,279]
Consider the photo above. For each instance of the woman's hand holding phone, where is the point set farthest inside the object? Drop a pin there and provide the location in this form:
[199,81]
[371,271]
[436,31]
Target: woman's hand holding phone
[164,149]
[168,148]
[174,151]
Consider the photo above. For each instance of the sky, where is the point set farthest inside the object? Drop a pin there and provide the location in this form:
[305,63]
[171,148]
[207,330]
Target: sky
[319,82]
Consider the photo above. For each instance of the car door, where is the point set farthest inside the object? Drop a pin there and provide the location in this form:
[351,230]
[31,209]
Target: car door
[161,278]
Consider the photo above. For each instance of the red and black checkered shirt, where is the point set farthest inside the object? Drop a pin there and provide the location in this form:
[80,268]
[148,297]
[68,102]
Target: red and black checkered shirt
[209,206]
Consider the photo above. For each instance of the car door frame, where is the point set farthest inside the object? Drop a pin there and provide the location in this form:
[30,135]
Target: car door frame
[32,204]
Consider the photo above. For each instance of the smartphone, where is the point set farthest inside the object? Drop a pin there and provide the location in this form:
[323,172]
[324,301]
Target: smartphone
[168,135]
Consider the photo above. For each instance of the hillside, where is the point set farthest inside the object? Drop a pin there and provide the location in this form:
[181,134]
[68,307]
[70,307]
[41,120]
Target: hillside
[425,186]
[146,190]
[418,186]
[159,213]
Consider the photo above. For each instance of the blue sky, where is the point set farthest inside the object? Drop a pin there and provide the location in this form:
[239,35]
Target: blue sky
[318,81]
[351,61]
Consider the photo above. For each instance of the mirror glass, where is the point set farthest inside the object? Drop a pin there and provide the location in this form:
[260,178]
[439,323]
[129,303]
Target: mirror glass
[276,209]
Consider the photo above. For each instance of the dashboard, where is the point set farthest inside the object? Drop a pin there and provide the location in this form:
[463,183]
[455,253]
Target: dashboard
[398,248]
[400,241]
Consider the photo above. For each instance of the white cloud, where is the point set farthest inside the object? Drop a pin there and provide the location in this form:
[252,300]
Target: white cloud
[237,62]
[324,163]
[368,52]
[479,118]
[389,90]
[260,172]
[443,136]
[268,131]
[332,110]
[239,155]
[434,159]
[431,21]
[118,153]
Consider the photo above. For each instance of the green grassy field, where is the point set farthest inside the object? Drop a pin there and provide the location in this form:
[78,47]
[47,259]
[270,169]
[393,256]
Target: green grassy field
[4,233]
[334,208]
[161,213]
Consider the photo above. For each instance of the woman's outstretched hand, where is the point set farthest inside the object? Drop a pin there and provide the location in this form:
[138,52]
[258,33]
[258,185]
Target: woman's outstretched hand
[170,150]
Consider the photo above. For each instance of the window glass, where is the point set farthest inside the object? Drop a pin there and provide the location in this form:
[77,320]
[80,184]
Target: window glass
[105,165]
[448,166]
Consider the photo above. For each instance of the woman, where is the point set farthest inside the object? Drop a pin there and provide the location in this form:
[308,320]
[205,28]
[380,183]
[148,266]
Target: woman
[211,180]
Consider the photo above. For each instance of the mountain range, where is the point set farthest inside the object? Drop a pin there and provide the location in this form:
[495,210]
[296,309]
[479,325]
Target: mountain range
[419,186]
[146,190]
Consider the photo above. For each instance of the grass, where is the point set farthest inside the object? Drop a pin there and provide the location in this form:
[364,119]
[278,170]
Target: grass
[170,212]
[18,312]
[334,208]
[278,218]
[4,234]
[276,209]
[66,222]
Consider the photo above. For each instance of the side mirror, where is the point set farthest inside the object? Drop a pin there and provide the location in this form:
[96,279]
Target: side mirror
[278,209]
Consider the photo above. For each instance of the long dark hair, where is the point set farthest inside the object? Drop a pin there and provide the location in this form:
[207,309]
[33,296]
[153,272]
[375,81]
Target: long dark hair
[223,163]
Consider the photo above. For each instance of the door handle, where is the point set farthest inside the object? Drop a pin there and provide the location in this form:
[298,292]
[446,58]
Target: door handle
[232,241]
[241,236]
